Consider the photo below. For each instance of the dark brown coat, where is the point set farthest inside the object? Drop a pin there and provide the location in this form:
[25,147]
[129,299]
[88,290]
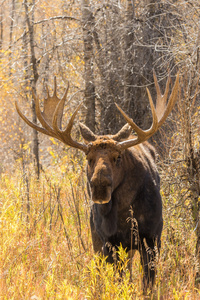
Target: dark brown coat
[125,182]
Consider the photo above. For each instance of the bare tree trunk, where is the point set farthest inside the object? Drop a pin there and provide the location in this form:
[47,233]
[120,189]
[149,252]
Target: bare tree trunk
[25,54]
[87,19]
[30,21]
[129,55]
[101,66]
[112,82]
[1,27]
[11,33]
[108,51]
[135,102]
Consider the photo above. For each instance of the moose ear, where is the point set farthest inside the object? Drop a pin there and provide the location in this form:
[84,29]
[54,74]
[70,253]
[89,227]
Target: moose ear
[123,134]
[86,133]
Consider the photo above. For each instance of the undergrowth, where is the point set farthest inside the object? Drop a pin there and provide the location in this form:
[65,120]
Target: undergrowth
[46,248]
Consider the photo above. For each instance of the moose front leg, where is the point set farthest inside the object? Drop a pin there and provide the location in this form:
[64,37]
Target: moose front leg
[96,239]
[149,255]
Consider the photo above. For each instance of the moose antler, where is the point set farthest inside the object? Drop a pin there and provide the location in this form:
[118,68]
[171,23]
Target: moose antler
[51,118]
[159,113]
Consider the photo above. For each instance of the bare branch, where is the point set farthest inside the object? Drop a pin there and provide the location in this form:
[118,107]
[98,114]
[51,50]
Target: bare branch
[57,18]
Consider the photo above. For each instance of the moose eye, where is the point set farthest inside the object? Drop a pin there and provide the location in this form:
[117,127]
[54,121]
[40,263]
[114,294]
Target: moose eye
[117,159]
[90,161]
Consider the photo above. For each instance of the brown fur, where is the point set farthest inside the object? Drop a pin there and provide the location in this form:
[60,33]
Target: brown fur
[119,181]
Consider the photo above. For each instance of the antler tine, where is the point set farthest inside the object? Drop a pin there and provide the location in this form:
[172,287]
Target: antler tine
[40,115]
[65,135]
[172,99]
[161,99]
[55,86]
[66,92]
[159,114]
[60,106]
[47,90]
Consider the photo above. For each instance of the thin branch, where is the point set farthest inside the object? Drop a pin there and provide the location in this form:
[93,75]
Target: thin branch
[57,18]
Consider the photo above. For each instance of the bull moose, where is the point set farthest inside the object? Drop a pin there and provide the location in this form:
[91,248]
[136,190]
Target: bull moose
[121,174]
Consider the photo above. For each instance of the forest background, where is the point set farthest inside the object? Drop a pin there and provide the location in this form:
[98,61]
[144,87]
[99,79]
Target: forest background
[107,51]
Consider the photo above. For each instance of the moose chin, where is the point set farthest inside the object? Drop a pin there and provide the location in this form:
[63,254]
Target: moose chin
[123,181]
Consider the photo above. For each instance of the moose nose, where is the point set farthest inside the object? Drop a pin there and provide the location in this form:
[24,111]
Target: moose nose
[102,175]
[97,180]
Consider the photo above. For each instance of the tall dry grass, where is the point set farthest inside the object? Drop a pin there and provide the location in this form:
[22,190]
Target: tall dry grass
[46,249]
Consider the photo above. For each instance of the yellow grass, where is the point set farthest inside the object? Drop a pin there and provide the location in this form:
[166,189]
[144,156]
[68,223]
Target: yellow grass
[46,248]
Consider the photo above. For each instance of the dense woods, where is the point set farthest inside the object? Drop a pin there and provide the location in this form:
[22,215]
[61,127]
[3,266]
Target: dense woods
[107,51]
